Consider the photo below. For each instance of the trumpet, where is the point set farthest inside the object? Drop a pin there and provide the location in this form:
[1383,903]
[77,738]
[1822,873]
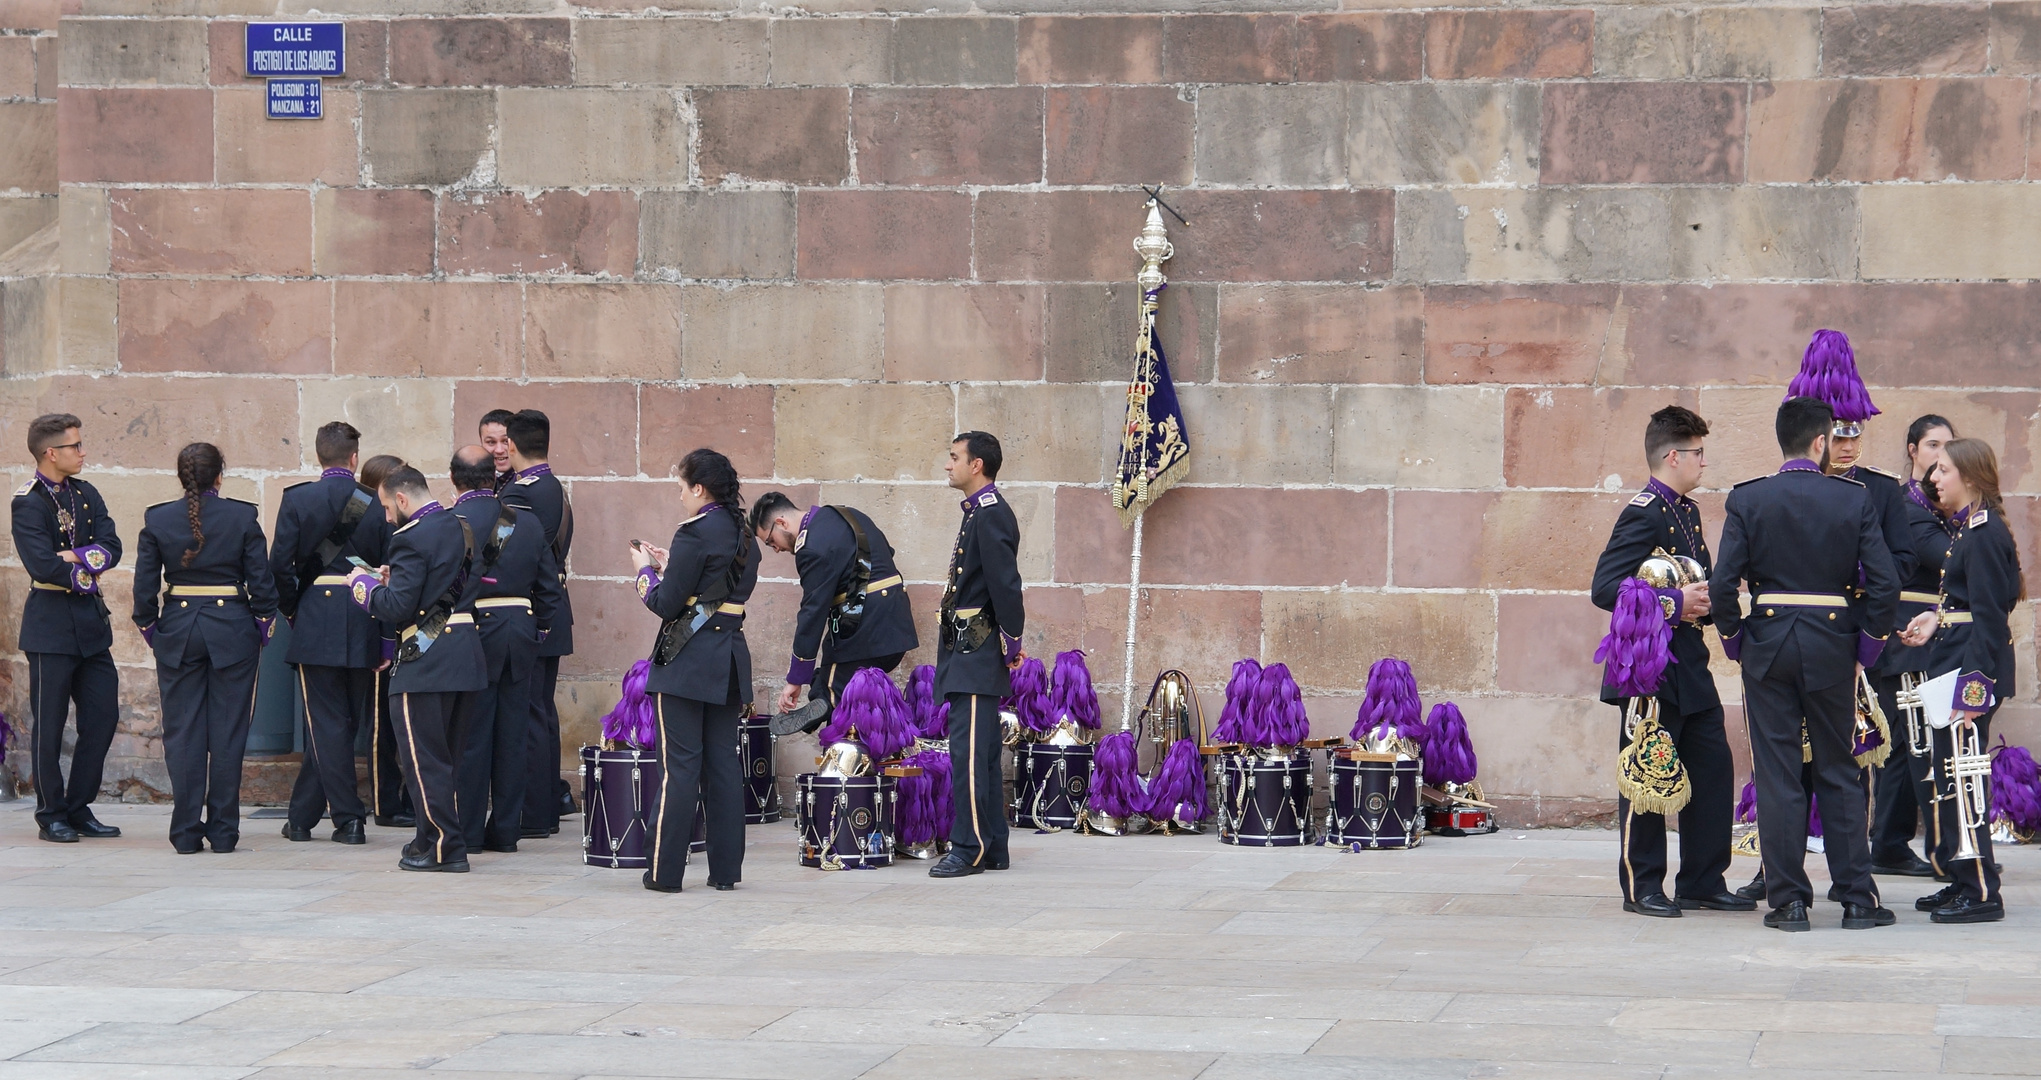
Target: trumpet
[1969,768]
[1918,742]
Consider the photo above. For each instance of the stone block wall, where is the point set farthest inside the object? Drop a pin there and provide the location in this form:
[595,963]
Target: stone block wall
[1440,266]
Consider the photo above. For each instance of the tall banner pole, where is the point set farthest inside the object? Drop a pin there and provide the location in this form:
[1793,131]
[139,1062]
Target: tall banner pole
[1133,617]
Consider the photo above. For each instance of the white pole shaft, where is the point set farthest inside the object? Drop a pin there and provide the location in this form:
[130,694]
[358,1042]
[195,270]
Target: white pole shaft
[1133,616]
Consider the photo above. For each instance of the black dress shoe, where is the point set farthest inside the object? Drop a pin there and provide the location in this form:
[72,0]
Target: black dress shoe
[533,834]
[1654,905]
[1965,910]
[396,821]
[425,864]
[953,865]
[1939,897]
[806,718]
[1722,901]
[93,828]
[225,847]
[1914,866]
[1755,891]
[192,850]
[295,834]
[502,849]
[722,886]
[1835,894]
[656,886]
[999,864]
[350,833]
[58,832]
[1859,917]
[567,807]
[1792,918]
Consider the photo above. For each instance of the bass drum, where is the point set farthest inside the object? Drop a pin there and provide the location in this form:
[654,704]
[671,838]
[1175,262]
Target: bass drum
[1050,785]
[845,822]
[1264,801]
[761,786]
[1374,803]
[618,791]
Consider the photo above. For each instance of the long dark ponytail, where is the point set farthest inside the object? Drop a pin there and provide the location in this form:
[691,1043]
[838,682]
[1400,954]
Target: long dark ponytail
[718,477]
[199,466]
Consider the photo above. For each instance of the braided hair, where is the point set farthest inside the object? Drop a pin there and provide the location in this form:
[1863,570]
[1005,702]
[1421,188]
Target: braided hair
[718,477]
[199,466]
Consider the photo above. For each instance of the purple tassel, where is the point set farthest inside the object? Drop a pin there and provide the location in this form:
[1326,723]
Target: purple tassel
[2015,787]
[633,722]
[1278,717]
[1029,696]
[931,716]
[1391,699]
[925,809]
[1239,701]
[1813,815]
[1178,790]
[1448,749]
[1638,645]
[1071,693]
[1747,803]
[872,705]
[1828,371]
[1116,777]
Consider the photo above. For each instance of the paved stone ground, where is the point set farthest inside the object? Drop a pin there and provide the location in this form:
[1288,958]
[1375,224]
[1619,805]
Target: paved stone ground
[1143,959]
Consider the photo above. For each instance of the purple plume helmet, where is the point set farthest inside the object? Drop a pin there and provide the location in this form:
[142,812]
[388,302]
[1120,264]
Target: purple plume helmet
[1278,718]
[1071,693]
[1029,695]
[1116,777]
[1638,645]
[1448,749]
[1747,803]
[633,722]
[925,812]
[872,705]
[1178,790]
[1239,701]
[2015,787]
[1829,371]
[931,716]
[1391,699]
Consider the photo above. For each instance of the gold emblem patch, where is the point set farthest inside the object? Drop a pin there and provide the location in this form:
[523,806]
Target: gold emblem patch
[1973,695]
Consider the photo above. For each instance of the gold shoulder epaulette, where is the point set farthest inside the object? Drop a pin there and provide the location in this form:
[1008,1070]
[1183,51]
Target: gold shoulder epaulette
[1643,499]
[407,525]
[1979,518]
[25,488]
[1882,472]
[1845,479]
[1754,479]
[529,480]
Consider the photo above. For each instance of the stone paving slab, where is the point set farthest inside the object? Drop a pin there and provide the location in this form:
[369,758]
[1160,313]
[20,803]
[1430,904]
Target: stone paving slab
[1144,958]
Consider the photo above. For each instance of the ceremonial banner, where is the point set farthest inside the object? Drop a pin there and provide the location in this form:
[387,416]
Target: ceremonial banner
[1155,452]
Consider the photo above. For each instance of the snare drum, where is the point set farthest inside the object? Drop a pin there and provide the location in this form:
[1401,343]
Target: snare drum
[761,787]
[617,790]
[845,822]
[1050,784]
[1458,820]
[1374,802]
[1265,801]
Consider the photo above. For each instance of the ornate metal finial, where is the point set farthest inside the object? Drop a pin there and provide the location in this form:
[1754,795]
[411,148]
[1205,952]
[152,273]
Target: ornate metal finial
[1154,248]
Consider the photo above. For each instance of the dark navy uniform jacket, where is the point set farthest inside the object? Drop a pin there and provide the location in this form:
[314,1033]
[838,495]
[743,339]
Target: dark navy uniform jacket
[1888,495]
[234,555]
[984,577]
[64,612]
[536,489]
[825,555]
[1660,518]
[1980,575]
[715,664]
[1928,538]
[326,629]
[426,554]
[1800,533]
[524,569]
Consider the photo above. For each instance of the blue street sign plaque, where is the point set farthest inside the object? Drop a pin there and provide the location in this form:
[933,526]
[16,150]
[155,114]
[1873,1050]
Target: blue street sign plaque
[295,99]
[296,49]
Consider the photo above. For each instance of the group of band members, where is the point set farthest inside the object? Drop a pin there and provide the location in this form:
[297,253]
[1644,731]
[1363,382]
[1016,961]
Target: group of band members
[1849,569]
[439,630]
[440,633]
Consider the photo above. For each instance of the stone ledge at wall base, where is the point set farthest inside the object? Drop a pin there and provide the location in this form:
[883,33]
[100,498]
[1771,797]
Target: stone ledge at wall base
[1542,812]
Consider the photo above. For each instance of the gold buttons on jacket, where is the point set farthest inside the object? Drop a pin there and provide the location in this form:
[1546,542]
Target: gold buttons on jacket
[1831,616]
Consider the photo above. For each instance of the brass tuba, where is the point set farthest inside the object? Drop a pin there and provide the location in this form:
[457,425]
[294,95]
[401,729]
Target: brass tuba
[1172,713]
[1664,570]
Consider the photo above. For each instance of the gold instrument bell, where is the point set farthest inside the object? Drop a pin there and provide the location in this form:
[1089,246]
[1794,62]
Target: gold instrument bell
[1664,570]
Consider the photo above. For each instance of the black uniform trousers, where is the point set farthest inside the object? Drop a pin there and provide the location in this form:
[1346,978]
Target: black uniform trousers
[831,678]
[978,829]
[1774,706]
[1899,788]
[492,769]
[543,783]
[386,777]
[338,701]
[1978,878]
[698,762]
[55,680]
[1704,822]
[206,713]
[429,727]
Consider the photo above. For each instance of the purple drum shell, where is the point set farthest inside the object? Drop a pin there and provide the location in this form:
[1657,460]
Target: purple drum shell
[1265,803]
[1375,805]
[617,791]
[845,822]
[1050,785]
[761,786]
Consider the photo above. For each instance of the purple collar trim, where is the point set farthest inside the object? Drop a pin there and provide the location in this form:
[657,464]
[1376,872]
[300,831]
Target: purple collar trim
[1664,491]
[1920,497]
[478,493]
[429,508]
[541,469]
[971,501]
[49,483]
[1800,465]
[808,517]
[337,471]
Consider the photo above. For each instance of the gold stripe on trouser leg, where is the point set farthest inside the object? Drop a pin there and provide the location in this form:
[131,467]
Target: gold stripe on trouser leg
[424,806]
[375,744]
[1629,872]
[971,749]
[311,729]
[665,776]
